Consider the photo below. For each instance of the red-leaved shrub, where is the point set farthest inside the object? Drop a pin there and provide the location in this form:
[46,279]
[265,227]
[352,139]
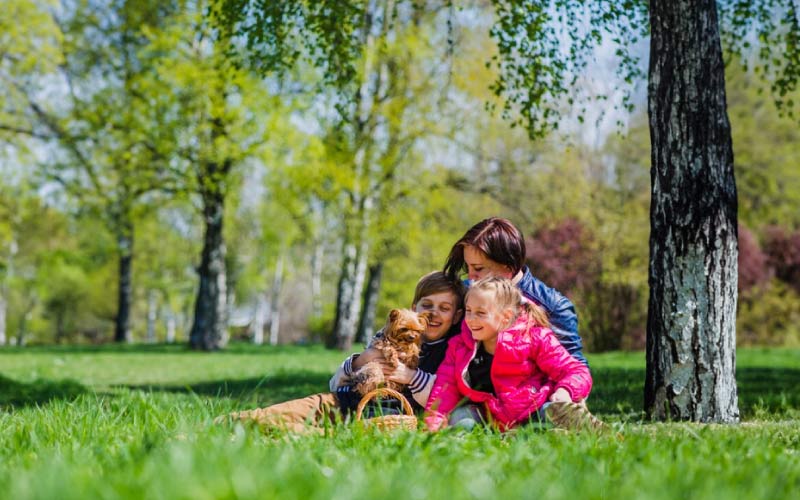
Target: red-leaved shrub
[612,314]
[783,255]
[563,256]
[753,266]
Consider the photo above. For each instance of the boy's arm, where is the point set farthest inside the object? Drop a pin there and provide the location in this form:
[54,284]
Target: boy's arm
[342,375]
[421,386]
[350,365]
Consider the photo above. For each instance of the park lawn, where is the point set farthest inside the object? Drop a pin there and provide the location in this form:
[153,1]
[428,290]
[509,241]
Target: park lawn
[135,422]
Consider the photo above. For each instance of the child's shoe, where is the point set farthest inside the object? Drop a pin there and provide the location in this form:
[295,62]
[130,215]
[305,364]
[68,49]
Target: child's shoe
[574,416]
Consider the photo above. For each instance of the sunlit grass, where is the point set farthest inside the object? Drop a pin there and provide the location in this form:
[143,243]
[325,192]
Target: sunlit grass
[125,422]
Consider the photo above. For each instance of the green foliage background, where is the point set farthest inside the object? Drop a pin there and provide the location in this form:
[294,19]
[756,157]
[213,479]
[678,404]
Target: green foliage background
[106,130]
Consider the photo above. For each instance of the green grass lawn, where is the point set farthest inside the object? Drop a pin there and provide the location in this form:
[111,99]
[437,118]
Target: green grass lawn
[135,422]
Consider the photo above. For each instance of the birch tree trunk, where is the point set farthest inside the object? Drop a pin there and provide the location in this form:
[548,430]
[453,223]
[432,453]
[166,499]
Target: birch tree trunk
[152,312]
[371,294]
[316,279]
[3,312]
[693,239]
[4,283]
[348,296]
[22,328]
[171,324]
[260,319]
[275,302]
[209,330]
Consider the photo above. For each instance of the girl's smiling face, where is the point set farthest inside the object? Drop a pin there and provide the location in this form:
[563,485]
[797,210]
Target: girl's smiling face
[443,313]
[484,319]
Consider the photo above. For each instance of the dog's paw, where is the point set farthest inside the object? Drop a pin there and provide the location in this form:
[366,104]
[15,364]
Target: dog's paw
[368,378]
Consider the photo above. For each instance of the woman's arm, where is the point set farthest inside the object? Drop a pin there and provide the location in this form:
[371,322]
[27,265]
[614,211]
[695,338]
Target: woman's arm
[564,370]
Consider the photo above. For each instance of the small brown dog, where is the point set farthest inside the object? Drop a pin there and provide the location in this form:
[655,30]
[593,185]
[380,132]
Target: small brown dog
[399,343]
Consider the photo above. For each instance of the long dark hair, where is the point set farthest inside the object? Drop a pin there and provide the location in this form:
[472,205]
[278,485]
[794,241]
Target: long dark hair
[498,238]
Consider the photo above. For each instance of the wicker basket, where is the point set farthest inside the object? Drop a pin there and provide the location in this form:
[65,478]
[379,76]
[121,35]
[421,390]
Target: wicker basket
[388,422]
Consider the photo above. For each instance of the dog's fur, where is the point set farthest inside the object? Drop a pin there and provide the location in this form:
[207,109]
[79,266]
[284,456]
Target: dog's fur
[399,343]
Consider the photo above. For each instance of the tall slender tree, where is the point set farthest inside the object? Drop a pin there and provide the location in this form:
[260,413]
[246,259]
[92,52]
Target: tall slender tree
[371,56]
[214,106]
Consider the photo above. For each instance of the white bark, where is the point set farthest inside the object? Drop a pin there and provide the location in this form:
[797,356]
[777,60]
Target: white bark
[346,310]
[260,317]
[171,325]
[691,337]
[152,314]
[3,312]
[275,302]
[371,294]
[316,280]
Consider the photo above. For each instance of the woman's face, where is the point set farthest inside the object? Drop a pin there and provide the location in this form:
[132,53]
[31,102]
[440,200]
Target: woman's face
[442,308]
[479,265]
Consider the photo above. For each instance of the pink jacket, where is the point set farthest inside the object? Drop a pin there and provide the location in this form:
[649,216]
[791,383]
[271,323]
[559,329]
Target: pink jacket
[529,365]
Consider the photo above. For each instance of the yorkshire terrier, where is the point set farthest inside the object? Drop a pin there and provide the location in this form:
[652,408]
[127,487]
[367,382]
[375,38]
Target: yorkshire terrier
[399,342]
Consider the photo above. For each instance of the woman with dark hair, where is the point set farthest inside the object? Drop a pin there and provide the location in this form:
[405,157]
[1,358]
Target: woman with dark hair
[495,247]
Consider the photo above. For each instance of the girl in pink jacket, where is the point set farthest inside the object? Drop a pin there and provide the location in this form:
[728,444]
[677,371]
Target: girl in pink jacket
[507,360]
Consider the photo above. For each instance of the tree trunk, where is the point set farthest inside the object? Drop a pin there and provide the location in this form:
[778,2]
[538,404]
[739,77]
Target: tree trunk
[348,297]
[693,238]
[171,324]
[209,330]
[371,293]
[316,279]
[60,331]
[275,302]
[22,328]
[152,312]
[260,319]
[3,312]
[122,326]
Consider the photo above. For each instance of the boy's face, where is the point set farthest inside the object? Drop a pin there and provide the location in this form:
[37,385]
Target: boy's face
[443,313]
[479,265]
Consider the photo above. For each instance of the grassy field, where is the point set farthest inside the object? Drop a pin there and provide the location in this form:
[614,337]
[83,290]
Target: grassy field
[135,422]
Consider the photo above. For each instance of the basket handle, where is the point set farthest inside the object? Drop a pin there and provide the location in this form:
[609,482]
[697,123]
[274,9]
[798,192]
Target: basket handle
[383,391]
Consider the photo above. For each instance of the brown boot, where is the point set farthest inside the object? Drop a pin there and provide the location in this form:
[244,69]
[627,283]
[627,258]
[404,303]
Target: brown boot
[574,416]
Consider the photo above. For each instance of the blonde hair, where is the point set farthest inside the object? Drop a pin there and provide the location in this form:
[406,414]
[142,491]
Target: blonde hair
[508,296]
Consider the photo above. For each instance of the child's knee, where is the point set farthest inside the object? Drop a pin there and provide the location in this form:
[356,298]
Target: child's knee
[467,417]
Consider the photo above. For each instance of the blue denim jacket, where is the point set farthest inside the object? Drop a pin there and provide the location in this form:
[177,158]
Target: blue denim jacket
[560,310]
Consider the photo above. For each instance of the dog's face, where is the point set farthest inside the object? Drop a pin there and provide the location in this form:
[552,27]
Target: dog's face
[404,326]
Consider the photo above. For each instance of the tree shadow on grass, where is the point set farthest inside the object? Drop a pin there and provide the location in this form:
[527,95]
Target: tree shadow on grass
[775,390]
[157,348]
[262,391]
[617,392]
[14,394]
[621,391]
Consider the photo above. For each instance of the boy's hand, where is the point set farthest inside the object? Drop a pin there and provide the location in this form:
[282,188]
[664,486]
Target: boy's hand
[367,356]
[400,373]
